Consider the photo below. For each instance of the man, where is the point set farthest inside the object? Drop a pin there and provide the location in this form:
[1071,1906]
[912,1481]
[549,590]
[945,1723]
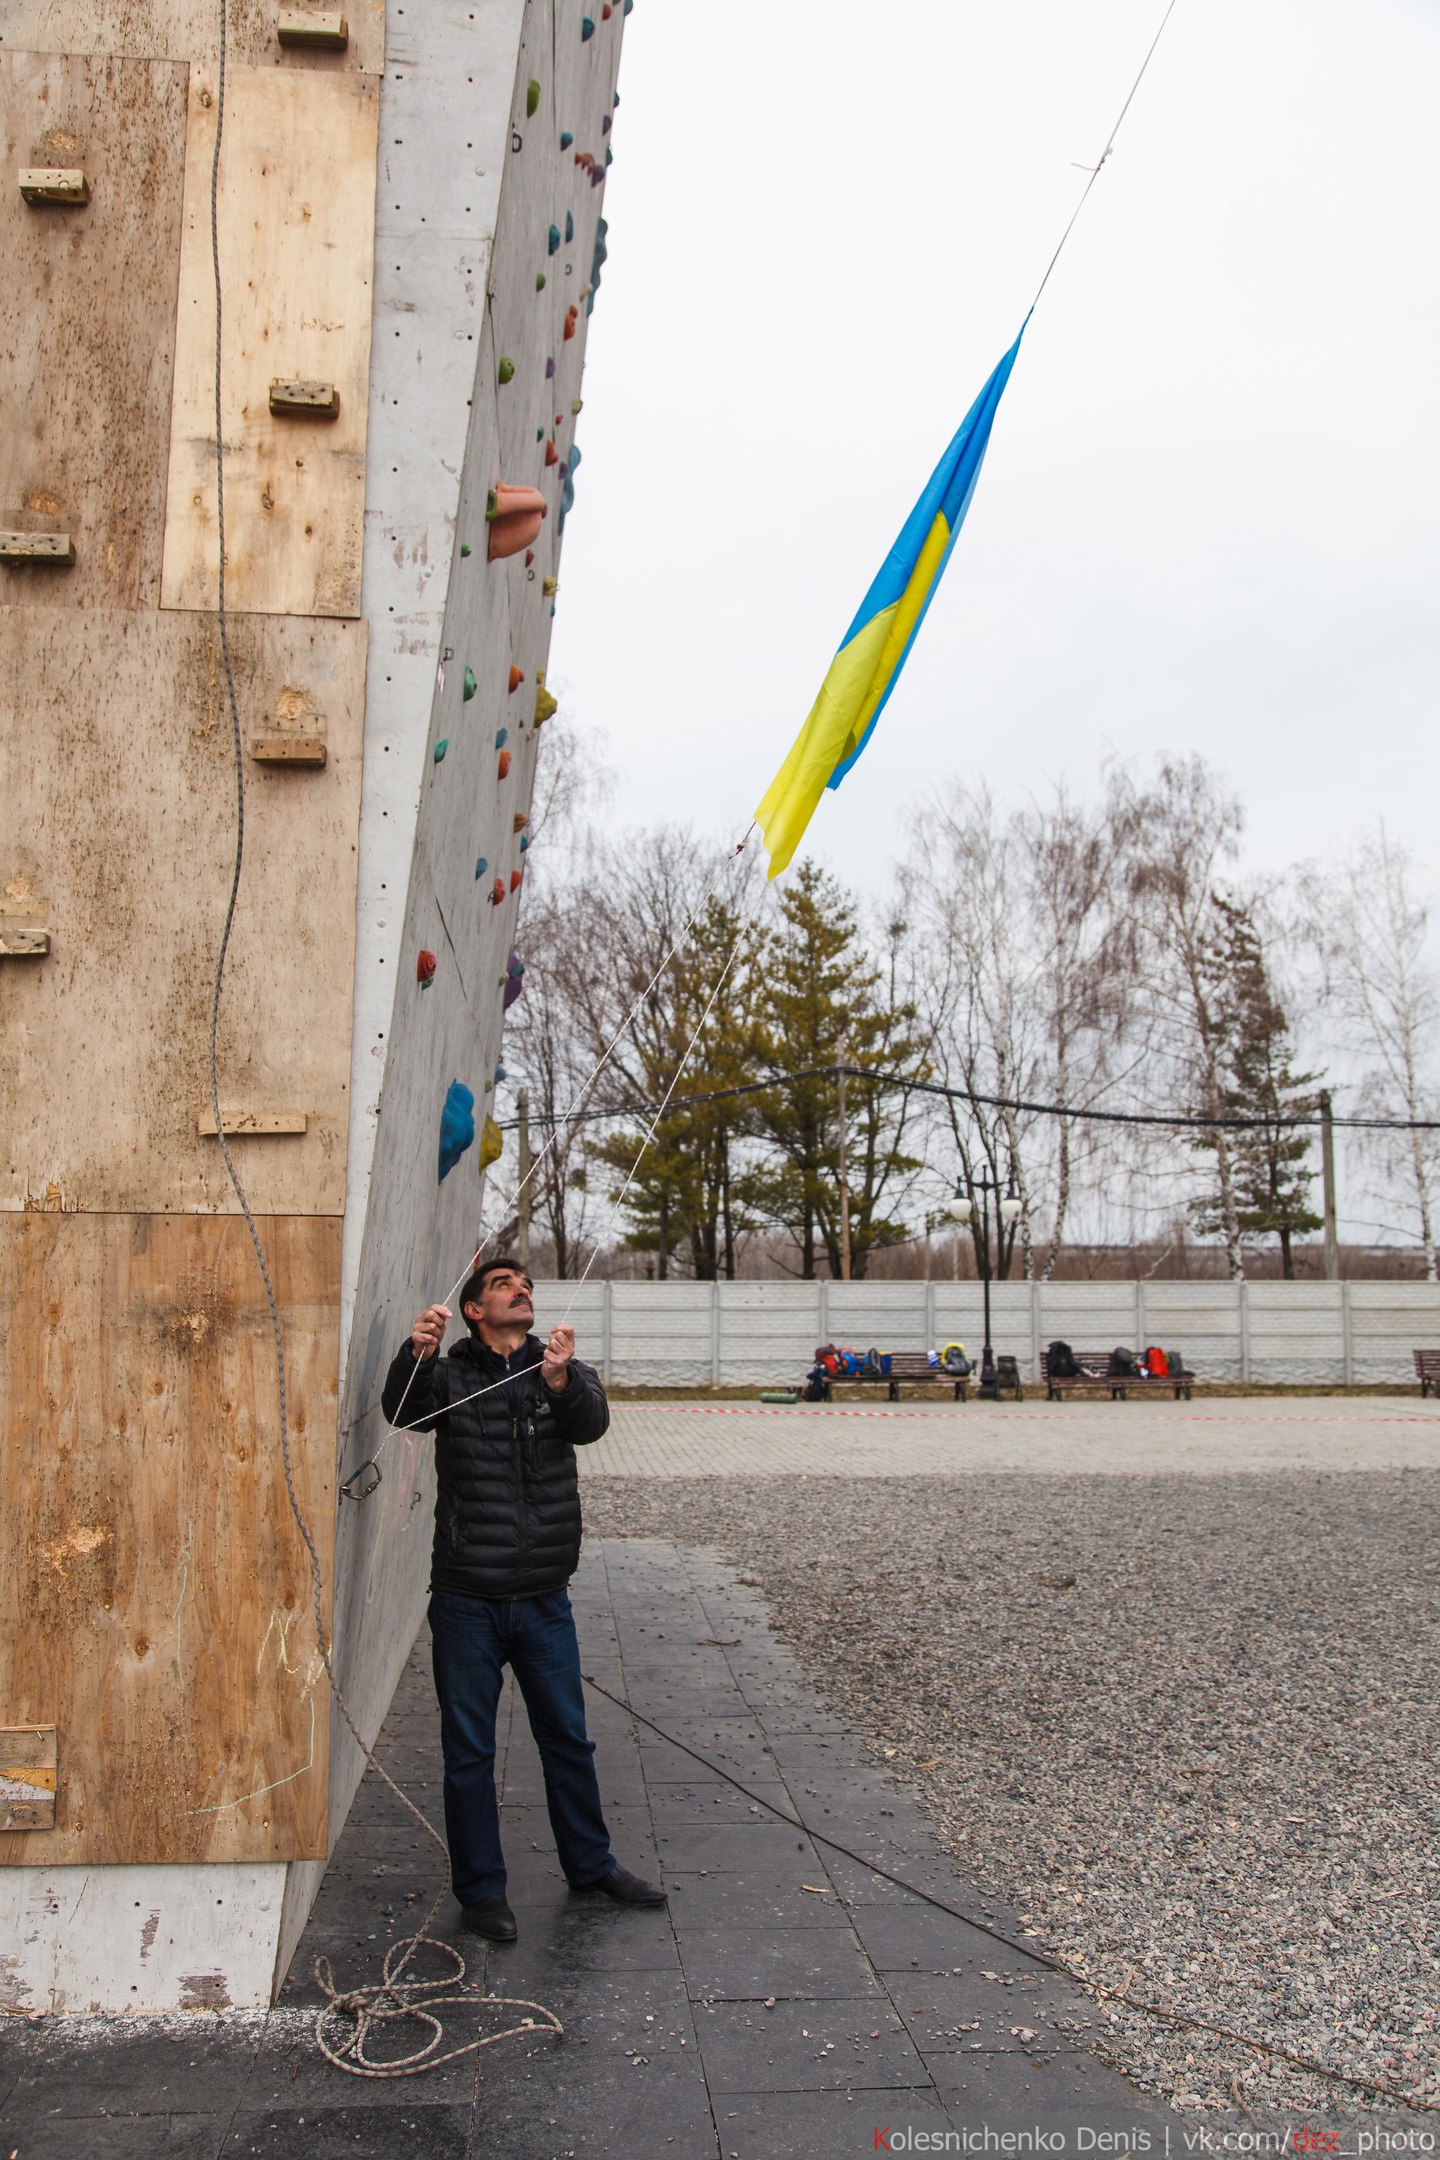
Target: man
[507,1541]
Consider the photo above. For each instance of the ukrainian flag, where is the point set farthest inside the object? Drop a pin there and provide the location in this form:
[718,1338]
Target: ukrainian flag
[877,644]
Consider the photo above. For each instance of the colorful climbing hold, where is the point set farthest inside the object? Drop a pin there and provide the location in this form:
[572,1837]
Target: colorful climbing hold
[529,557]
[517,676]
[464,547]
[552,244]
[550,367]
[552,455]
[516,520]
[572,317]
[497,892]
[546,706]
[492,503]
[425,969]
[569,226]
[567,492]
[607,123]
[492,1145]
[550,587]
[606,12]
[566,138]
[438,753]
[500,1074]
[516,879]
[540,281]
[524,842]
[587,29]
[502,736]
[506,371]
[577,406]
[597,263]
[514,978]
[504,764]
[532,98]
[519,821]
[457,1126]
[469,687]
[481,866]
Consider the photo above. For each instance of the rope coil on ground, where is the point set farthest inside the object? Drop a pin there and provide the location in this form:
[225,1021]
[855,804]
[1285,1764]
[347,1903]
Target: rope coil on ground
[390,2001]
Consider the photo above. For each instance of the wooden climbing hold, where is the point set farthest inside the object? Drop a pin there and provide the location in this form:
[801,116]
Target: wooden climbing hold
[566,138]
[469,687]
[54,184]
[506,370]
[519,821]
[516,879]
[502,736]
[552,241]
[497,892]
[532,99]
[503,766]
[296,400]
[19,547]
[517,676]
[438,753]
[312,29]
[518,515]
[572,317]
[552,455]
[425,969]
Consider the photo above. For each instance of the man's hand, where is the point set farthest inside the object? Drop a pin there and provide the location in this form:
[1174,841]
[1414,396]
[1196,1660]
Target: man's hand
[555,1365]
[429,1331]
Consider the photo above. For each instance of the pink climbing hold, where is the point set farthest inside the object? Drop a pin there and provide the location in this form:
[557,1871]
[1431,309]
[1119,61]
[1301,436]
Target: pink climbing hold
[515,520]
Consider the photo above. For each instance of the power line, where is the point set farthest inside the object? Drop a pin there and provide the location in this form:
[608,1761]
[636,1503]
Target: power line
[1175,1119]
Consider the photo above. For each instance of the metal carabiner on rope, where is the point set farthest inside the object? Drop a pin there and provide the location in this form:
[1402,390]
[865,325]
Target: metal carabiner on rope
[348,1488]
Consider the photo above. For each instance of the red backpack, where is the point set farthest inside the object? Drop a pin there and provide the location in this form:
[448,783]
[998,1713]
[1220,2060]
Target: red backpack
[1158,1364]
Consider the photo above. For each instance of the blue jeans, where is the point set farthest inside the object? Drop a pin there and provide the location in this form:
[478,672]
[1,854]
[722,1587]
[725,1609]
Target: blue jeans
[473,1639]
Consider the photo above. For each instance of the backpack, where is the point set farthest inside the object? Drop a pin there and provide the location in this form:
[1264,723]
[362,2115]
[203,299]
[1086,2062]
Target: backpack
[954,1360]
[1060,1361]
[1175,1363]
[828,1357]
[1121,1366]
[1157,1363]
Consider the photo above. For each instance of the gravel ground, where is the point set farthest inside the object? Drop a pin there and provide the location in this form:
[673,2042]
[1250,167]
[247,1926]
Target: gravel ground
[1187,1726]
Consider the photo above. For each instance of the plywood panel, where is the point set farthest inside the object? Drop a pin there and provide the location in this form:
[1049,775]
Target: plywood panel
[154,1600]
[297,235]
[117,781]
[187,30]
[87,322]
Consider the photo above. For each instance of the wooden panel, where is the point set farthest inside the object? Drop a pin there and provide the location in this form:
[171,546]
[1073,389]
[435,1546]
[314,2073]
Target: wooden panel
[154,1597]
[117,776]
[188,30]
[297,234]
[27,1777]
[87,323]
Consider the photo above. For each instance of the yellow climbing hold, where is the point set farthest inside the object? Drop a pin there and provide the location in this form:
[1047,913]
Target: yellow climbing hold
[492,1143]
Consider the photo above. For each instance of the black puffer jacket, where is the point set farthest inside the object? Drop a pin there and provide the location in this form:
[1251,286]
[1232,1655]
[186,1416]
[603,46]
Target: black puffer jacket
[507,1516]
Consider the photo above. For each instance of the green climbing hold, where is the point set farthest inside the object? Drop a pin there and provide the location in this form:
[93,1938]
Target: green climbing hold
[566,138]
[492,504]
[532,98]
[470,687]
[464,547]
[540,281]
[506,371]
[440,748]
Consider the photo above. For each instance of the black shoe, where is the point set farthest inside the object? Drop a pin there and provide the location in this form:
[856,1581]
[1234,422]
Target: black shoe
[625,1888]
[492,1918]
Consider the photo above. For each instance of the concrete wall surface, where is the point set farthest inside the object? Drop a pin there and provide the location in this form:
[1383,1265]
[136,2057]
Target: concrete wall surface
[699,1334]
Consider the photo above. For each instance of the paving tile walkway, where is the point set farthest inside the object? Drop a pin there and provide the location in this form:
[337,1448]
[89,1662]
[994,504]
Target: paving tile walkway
[789,2000]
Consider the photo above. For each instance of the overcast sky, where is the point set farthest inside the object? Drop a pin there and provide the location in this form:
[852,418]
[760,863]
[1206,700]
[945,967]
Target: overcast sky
[1210,514]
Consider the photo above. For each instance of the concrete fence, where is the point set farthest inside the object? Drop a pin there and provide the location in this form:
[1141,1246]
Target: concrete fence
[764,1333]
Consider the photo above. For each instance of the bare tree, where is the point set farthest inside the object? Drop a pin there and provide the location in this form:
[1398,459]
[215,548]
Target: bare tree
[1370,927]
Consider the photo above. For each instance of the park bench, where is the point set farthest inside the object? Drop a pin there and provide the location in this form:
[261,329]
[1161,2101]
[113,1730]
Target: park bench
[912,1368]
[1094,1379]
[1427,1370]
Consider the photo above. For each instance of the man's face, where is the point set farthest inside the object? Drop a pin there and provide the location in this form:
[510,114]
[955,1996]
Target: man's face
[505,1299]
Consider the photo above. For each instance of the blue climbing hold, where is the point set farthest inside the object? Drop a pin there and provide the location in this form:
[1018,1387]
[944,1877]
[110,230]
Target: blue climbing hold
[569,226]
[481,866]
[469,686]
[567,492]
[566,138]
[500,1074]
[501,737]
[587,29]
[553,243]
[597,262]
[457,1126]
[438,753]
[525,837]
[609,155]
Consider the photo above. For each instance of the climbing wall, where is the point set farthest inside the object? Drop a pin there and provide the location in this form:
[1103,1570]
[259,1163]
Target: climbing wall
[408,218]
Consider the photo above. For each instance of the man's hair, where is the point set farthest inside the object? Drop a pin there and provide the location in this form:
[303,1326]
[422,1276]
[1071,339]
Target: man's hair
[474,1288]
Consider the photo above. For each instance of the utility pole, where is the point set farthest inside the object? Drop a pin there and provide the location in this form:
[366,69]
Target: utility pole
[522,1101]
[1327,1173]
[844,1178]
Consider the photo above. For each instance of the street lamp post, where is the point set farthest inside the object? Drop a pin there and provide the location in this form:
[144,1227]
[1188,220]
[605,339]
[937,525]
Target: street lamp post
[962,1210]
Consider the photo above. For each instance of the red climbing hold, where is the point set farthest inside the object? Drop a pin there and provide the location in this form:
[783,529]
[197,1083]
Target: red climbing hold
[529,557]
[516,519]
[606,12]
[517,676]
[515,877]
[552,455]
[504,763]
[425,969]
[520,822]
[572,317]
[497,892]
